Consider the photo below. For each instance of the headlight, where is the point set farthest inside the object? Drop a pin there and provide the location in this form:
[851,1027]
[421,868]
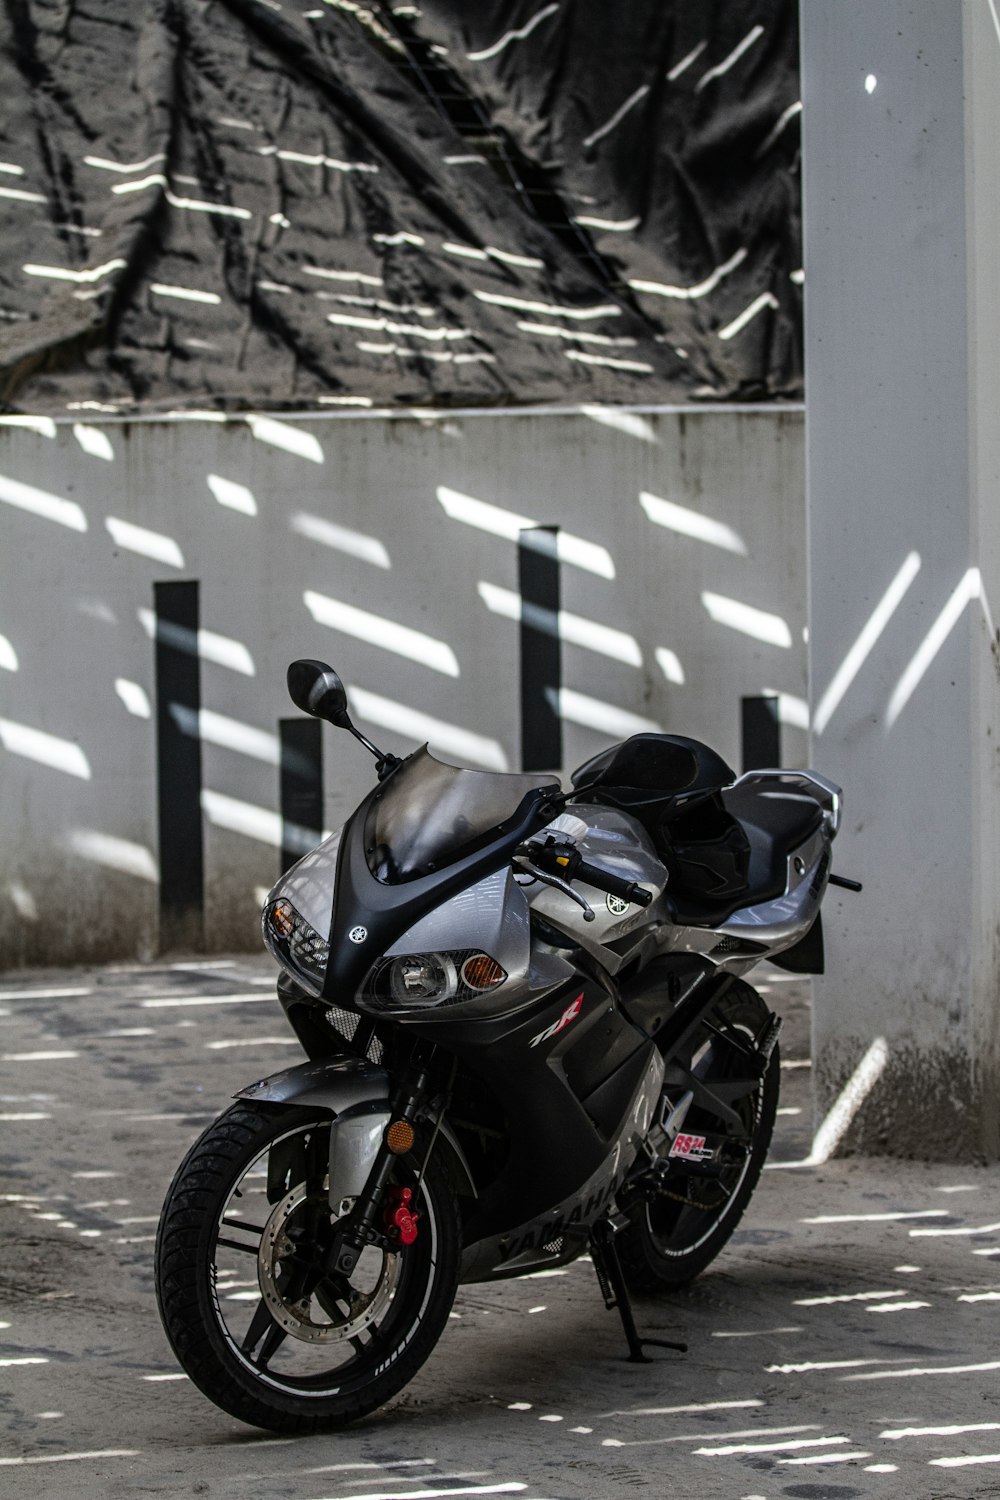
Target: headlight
[420,981]
[295,944]
[423,979]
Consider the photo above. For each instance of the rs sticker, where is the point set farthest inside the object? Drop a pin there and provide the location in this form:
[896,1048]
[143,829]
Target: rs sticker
[691,1148]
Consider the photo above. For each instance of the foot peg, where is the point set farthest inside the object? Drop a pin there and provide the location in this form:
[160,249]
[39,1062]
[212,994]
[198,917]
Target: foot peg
[611,1278]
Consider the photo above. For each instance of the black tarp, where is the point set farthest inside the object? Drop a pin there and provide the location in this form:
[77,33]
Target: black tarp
[246,203]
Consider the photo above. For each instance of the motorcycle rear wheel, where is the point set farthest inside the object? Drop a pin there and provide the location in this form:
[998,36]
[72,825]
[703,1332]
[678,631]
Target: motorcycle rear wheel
[674,1235]
[256,1322]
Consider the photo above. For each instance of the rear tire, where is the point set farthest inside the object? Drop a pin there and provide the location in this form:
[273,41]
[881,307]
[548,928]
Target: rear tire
[672,1238]
[259,1327]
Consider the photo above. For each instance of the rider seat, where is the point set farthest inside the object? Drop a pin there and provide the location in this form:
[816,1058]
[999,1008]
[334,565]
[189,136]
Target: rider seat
[776,823]
[725,846]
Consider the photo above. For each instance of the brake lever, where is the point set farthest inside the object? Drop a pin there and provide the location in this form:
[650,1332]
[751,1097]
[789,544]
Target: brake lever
[560,885]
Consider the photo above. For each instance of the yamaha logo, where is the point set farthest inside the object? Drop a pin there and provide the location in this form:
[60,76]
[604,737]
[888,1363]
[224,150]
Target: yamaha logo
[358,934]
[617,906]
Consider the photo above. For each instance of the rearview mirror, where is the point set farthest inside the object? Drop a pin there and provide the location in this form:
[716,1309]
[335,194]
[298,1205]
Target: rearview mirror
[316,689]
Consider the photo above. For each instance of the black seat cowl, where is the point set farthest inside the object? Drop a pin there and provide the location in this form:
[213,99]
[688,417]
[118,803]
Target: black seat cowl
[787,818]
[776,823]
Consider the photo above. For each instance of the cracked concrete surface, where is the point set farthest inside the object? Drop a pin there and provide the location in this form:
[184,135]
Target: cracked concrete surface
[842,1345]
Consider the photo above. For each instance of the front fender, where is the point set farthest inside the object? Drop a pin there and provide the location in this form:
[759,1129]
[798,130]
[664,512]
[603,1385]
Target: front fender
[338,1084]
[357,1096]
[356,1093]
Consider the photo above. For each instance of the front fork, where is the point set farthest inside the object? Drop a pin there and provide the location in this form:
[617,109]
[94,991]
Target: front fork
[372,1221]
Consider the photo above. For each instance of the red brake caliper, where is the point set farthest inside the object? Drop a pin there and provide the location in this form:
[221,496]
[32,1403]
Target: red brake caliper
[400,1221]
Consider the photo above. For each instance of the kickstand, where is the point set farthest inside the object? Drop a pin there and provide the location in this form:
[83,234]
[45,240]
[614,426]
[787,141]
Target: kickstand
[612,1282]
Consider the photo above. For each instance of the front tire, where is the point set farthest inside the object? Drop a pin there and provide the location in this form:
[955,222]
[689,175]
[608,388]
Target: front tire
[257,1322]
[677,1230]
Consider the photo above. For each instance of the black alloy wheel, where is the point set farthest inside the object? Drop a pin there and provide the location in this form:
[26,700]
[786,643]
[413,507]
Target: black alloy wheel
[251,1308]
[679,1222]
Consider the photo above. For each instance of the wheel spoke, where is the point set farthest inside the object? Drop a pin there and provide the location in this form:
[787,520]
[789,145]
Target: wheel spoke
[271,1343]
[264,1331]
[257,1229]
[259,1324]
[735,1039]
[244,1249]
[303,1157]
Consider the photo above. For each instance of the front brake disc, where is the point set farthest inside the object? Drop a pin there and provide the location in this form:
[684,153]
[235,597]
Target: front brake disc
[347,1309]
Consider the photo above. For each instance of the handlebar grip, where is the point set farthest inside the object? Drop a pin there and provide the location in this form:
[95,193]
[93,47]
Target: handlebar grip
[613,885]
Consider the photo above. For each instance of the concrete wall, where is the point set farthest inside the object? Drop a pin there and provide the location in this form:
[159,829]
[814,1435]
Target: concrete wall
[351,507]
[902,216]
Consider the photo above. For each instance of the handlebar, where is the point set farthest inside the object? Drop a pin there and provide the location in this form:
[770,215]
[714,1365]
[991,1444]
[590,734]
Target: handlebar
[566,861]
[612,885]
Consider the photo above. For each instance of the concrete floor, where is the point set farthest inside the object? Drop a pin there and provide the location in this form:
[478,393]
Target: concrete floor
[844,1344]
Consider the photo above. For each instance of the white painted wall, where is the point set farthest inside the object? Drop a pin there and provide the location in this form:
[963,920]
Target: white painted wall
[902,216]
[78,812]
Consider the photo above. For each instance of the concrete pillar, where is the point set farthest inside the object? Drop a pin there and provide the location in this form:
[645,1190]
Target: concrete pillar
[902,226]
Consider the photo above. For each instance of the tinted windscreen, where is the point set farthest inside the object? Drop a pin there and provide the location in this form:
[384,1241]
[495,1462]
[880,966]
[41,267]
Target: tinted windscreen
[430,812]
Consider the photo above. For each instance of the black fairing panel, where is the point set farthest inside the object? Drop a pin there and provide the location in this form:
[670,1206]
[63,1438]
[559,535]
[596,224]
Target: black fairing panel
[383,912]
[558,1121]
[608,1103]
[651,997]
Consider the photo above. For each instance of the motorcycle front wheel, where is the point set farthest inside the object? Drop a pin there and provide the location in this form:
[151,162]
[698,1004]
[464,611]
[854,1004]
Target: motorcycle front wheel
[678,1225]
[251,1309]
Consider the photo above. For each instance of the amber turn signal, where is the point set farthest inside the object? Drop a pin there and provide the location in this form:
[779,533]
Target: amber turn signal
[400,1137]
[480,972]
[282,919]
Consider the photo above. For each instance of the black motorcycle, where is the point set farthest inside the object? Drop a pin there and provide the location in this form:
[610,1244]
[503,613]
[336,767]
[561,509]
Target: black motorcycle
[527,1035]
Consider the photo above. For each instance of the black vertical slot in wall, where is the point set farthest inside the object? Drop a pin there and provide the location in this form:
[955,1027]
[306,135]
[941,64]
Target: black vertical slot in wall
[761,733]
[541,657]
[301,791]
[178,766]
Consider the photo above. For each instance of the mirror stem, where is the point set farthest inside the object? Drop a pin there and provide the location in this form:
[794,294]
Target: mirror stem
[384,763]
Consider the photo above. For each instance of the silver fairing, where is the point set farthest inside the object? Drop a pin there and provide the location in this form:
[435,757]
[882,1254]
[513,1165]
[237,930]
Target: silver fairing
[774,925]
[310,884]
[494,914]
[491,916]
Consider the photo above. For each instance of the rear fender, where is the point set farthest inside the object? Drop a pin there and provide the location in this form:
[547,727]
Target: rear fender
[805,956]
